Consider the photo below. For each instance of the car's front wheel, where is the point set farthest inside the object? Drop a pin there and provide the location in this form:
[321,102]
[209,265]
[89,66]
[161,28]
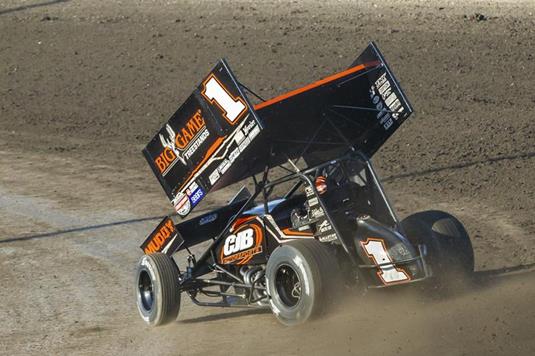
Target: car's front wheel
[157,294]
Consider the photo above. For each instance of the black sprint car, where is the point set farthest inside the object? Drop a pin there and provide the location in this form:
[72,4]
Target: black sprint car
[332,226]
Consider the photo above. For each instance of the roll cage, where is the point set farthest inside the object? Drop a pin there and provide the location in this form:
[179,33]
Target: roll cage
[377,205]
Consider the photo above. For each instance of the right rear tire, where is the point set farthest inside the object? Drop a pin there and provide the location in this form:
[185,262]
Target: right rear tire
[449,249]
[157,294]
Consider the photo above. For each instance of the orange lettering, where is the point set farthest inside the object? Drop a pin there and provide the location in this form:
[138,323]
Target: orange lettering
[199,120]
[165,159]
[179,141]
[151,247]
[161,164]
[165,232]
[192,127]
[187,135]
[169,155]
[159,239]
[169,225]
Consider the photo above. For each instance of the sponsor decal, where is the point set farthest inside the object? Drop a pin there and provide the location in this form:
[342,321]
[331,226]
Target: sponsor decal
[313,201]
[214,177]
[242,244]
[324,226]
[207,219]
[196,197]
[181,145]
[224,166]
[182,204]
[321,184]
[377,252]
[192,187]
[317,213]
[243,145]
[242,138]
[232,107]
[328,238]
[386,102]
[160,237]
[234,154]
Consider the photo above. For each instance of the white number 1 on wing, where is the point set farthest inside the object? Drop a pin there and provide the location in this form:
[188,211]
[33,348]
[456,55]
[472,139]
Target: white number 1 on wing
[217,94]
[376,250]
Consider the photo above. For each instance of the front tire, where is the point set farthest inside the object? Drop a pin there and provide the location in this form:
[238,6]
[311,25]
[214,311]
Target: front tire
[298,280]
[157,294]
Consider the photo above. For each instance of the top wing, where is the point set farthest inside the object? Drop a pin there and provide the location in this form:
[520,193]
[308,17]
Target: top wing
[359,108]
[356,109]
[202,140]
[217,138]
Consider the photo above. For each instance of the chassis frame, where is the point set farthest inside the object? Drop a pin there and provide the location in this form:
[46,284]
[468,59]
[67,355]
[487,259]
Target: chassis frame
[193,281]
[348,116]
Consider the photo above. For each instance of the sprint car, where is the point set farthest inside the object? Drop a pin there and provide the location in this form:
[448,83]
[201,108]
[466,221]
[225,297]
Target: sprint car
[318,216]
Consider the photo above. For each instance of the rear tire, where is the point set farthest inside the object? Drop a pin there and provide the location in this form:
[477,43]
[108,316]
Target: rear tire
[300,278]
[449,250]
[157,294]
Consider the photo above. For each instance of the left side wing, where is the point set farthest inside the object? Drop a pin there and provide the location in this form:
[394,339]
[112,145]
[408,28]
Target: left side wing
[191,154]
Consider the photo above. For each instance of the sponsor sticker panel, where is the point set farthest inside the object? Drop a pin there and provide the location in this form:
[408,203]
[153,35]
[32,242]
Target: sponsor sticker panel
[241,140]
[165,238]
[386,101]
[324,229]
[242,244]
[202,140]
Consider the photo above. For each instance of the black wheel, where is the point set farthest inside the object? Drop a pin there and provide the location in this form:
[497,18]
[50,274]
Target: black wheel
[450,253]
[158,298]
[299,280]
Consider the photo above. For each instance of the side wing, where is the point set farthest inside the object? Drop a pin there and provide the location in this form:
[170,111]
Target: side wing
[165,238]
[203,139]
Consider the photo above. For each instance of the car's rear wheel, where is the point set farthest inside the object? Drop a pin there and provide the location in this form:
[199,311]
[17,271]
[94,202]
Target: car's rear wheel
[299,277]
[157,294]
[450,252]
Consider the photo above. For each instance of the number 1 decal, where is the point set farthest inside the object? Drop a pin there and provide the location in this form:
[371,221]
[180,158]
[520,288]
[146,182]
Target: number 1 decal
[216,93]
[376,251]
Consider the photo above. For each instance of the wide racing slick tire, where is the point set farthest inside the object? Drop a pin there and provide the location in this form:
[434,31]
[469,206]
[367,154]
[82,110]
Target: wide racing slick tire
[449,250]
[299,280]
[157,294]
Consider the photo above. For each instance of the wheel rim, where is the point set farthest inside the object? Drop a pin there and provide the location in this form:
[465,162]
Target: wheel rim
[288,285]
[145,290]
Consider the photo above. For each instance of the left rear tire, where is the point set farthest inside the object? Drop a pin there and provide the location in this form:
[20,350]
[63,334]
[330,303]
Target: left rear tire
[299,277]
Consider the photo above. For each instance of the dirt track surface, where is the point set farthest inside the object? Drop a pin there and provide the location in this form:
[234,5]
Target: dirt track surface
[84,85]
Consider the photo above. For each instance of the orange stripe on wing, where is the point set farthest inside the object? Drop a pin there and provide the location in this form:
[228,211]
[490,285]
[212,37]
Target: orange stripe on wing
[209,152]
[315,84]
